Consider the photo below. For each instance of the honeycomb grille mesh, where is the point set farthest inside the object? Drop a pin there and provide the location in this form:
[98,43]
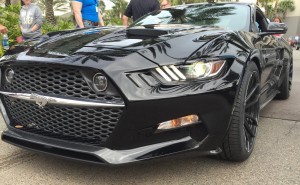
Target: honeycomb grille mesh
[85,125]
[54,81]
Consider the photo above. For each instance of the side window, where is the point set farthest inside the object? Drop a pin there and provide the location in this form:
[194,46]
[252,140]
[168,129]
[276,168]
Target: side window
[257,26]
[260,22]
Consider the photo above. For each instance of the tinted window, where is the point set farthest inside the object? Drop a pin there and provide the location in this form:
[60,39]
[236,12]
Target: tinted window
[226,16]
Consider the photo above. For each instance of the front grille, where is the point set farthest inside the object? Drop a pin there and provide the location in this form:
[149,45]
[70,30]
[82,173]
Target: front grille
[85,125]
[60,81]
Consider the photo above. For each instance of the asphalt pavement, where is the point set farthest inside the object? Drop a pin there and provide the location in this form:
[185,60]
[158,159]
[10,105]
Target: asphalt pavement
[275,159]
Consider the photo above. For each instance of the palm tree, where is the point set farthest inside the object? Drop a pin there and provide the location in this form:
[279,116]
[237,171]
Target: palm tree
[48,7]
[276,7]
[265,4]
[49,12]
[9,2]
[58,5]
[285,6]
[119,8]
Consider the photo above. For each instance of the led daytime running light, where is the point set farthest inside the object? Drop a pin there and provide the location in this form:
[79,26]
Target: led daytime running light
[179,122]
[196,70]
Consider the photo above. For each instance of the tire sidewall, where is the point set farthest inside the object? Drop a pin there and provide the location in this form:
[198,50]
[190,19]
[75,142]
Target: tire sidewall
[236,135]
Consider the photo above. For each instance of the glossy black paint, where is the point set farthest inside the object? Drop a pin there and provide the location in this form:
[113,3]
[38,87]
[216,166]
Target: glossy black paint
[127,59]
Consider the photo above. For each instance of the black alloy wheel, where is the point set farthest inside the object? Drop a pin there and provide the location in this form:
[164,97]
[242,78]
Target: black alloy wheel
[251,111]
[239,141]
[291,69]
[286,85]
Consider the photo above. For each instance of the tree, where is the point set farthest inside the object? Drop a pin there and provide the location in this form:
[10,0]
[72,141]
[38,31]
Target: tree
[276,7]
[119,8]
[9,16]
[285,6]
[7,2]
[58,5]
[48,7]
[49,12]
[265,5]
[270,12]
[10,2]
[114,16]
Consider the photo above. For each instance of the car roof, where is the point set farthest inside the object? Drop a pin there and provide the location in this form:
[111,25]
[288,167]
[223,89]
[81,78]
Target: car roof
[231,3]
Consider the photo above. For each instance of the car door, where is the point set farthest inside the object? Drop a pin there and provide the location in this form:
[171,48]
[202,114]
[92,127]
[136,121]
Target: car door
[270,57]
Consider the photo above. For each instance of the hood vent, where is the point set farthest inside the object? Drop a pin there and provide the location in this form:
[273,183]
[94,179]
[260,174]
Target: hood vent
[142,32]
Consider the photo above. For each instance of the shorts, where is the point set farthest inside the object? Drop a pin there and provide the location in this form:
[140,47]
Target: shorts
[88,23]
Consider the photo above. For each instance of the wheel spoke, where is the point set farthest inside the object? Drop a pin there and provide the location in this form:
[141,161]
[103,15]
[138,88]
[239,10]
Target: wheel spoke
[252,118]
[252,92]
[248,145]
[290,78]
[252,102]
[249,130]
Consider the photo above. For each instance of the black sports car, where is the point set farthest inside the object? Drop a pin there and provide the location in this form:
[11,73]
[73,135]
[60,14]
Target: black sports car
[192,77]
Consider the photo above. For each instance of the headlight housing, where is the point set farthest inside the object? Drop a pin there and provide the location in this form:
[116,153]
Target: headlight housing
[194,70]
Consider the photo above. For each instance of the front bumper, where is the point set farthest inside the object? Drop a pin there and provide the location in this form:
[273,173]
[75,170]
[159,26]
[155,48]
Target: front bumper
[131,141]
[134,138]
[100,155]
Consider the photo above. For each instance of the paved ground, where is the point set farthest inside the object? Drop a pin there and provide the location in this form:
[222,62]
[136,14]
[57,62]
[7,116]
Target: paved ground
[275,159]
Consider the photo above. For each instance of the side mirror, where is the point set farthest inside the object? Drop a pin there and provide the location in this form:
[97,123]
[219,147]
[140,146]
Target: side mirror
[277,28]
[274,28]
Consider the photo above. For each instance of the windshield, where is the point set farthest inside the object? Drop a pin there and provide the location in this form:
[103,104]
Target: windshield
[227,16]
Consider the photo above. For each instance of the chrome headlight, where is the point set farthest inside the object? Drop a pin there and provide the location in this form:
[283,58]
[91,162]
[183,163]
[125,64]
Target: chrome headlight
[195,70]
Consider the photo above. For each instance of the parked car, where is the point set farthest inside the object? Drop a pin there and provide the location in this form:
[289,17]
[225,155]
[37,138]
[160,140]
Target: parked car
[297,42]
[291,41]
[189,78]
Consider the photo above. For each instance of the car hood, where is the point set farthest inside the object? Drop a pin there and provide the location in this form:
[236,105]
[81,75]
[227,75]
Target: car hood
[160,45]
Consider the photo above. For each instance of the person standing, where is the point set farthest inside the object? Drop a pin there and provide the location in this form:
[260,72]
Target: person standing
[3,29]
[138,8]
[165,4]
[30,21]
[277,19]
[87,13]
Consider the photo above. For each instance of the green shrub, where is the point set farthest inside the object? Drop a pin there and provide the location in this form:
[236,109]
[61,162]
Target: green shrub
[9,16]
[60,25]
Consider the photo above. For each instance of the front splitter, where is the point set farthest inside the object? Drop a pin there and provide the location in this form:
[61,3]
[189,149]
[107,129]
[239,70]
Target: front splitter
[100,155]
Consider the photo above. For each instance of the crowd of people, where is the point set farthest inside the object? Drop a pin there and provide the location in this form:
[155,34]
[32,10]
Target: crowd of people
[86,14]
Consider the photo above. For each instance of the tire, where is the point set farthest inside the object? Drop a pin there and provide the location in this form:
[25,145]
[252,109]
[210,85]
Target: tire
[297,48]
[285,87]
[240,138]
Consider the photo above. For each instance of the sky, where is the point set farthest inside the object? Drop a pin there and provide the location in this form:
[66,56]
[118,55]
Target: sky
[108,4]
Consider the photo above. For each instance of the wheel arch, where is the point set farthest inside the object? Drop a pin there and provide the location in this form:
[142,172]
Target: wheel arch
[257,62]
